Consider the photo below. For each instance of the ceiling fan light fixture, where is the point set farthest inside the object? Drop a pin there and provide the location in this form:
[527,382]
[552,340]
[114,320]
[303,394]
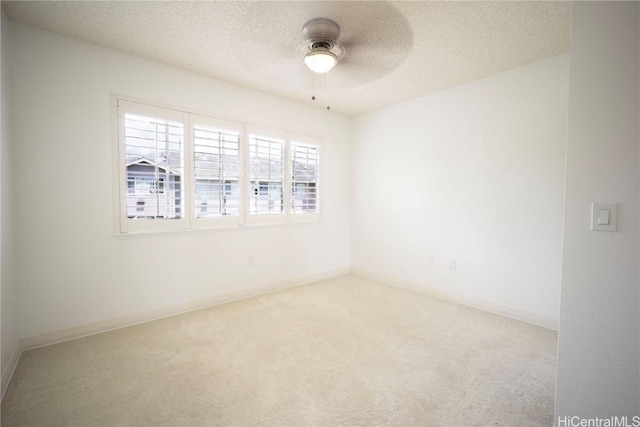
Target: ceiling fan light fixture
[321,48]
[320,61]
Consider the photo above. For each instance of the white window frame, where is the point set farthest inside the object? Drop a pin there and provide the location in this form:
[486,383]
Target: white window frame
[254,219]
[306,216]
[189,221]
[219,221]
[128,225]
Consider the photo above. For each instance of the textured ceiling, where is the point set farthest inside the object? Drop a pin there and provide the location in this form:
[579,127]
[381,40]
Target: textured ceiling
[394,50]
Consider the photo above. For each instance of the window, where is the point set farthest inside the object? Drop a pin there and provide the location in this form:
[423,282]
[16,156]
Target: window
[217,159]
[179,170]
[266,175]
[140,184]
[153,163]
[304,178]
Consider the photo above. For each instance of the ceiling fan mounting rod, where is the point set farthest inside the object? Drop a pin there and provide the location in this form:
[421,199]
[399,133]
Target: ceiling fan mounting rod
[321,30]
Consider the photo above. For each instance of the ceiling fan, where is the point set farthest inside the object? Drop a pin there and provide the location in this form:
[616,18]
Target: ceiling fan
[321,48]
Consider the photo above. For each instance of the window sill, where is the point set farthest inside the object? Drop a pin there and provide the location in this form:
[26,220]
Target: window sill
[159,233]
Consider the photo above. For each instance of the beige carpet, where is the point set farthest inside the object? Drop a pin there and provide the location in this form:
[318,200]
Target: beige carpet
[344,351]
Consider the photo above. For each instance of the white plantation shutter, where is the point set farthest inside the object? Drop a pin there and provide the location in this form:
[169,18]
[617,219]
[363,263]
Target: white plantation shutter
[155,165]
[217,169]
[266,175]
[178,170]
[153,153]
[305,164]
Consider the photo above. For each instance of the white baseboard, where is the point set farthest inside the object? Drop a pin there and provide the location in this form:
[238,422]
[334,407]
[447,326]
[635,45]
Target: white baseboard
[149,316]
[546,322]
[10,369]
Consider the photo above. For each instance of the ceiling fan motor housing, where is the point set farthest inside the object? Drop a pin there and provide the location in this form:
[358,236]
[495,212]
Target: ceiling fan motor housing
[321,33]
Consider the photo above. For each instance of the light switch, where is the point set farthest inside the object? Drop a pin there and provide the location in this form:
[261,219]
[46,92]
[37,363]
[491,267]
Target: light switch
[604,217]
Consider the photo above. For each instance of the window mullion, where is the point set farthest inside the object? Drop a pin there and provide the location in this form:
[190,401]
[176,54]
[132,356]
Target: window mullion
[244,174]
[288,177]
[157,161]
[221,206]
[122,168]
[189,178]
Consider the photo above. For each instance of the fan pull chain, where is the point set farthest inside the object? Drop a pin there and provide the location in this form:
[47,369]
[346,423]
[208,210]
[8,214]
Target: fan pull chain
[313,93]
[328,108]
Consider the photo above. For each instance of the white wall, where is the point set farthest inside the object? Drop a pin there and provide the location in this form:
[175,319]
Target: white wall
[72,269]
[475,174]
[599,352]
[8,285]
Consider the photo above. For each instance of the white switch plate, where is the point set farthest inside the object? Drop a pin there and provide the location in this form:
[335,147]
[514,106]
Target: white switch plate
[597,215]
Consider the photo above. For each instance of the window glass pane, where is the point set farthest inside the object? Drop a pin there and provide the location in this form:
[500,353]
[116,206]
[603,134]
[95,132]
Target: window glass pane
[304,178]
[154,155]
[266,175]
[217,170]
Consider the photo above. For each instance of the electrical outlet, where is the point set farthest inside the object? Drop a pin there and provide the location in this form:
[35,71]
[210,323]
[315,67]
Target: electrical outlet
[431,261]
[251,261]
[452,265]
